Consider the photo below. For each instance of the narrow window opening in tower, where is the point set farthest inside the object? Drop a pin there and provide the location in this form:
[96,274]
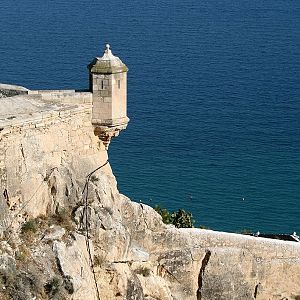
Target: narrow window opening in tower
[119,84]
[102,85]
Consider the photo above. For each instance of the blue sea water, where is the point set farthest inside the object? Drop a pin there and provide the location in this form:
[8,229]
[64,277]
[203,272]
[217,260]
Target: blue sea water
[213,97]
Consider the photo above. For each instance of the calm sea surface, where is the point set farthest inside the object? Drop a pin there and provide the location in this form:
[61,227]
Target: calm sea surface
[213,96]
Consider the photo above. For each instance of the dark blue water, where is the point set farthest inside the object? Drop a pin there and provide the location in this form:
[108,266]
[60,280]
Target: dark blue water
[213,94]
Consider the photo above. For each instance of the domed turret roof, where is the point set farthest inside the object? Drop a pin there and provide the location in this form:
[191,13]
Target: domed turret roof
[107,64]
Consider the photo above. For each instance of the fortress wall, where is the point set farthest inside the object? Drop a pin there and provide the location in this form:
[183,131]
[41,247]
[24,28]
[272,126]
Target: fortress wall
[262,246]
[218,265]
[249,267]
[64,96]
[31,150]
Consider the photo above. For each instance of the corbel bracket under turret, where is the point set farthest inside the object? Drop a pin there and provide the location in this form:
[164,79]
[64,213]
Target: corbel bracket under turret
[106,133]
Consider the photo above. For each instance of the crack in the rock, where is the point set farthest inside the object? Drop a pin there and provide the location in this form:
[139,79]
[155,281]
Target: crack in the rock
[121,262]
[161,269]
[204,263]
[191,254]
[98,198]
[143,216]
[6,197]
[23,155]
[255,291]
[22,152]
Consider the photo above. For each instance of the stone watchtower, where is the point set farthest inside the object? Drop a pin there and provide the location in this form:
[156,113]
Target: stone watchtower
[108,83]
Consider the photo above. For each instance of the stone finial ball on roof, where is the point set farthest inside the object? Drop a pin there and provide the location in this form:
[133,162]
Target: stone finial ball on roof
[107,49]
[107,64]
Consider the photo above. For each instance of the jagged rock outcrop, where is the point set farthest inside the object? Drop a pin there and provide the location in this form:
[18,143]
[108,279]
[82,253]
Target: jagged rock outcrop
[127,253]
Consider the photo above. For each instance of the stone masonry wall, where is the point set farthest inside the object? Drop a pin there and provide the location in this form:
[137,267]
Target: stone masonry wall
[102,97]
[30,151]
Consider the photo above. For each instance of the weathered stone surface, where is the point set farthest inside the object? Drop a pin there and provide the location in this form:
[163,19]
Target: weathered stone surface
[155,287]
[55,233]
[74,263]
[6,261]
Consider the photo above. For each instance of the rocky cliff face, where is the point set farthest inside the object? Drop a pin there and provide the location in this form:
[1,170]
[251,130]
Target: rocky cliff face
[62,240]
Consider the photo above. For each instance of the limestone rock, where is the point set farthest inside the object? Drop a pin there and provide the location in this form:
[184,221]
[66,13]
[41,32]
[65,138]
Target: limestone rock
[55,233]
[155,287]
[75,265]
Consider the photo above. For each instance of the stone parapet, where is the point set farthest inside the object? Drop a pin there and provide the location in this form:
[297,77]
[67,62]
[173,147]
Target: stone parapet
[64,96]
[42,108]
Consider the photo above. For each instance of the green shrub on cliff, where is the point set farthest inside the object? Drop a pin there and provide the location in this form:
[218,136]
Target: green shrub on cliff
[52,287]
[29,227]
[180,218]
[165,214]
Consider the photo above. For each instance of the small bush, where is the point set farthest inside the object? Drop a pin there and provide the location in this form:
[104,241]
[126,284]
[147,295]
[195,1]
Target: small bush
[146,272]
[165,214]
[64,219]
[94,178]
[183,219]
[98,261]
[68,284]
[22,254]
[29,227]
[52,287]
[180,218]
[21,285]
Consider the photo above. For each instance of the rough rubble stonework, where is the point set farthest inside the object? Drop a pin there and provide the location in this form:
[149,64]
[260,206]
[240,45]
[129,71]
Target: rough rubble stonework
[46,152]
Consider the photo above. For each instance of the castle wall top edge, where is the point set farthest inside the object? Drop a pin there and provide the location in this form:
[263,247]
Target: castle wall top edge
[19,105]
